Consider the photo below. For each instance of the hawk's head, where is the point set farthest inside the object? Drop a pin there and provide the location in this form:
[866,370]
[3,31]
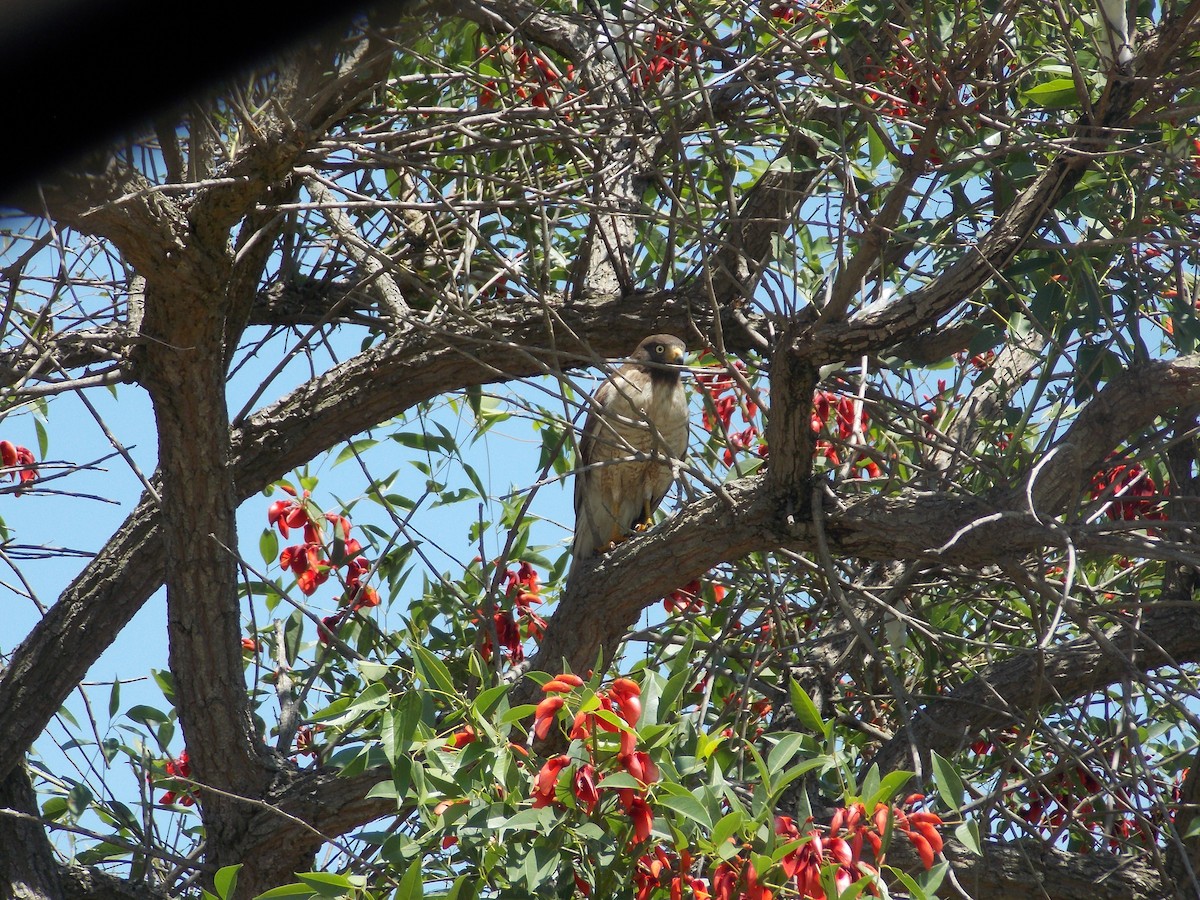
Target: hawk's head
[659,351]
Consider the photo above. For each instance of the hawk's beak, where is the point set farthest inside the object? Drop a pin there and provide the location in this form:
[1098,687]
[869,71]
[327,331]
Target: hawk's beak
[675,355]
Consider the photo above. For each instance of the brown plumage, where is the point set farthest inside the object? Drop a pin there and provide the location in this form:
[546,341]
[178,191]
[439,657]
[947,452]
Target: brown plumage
[640,408]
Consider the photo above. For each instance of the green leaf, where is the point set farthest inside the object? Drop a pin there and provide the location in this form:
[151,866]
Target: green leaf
[399,725]
[949,782]
[729,825]
[968,835]
[374,696]
[433,671]
[78,799]
[875,146]
[330,884]
[225,881]
[293,632]
[147,715]
[412,885]
[681,800]
[372,671]
[619,780]
[780,782]
[114,698]
[465,887]
[806,710]
[541,863]
[525,820]
[891,785]
[354,447]
[43,438]
[675,686]
[268,545]
[781,754]
[385,790]
[910,883]
[286,890]
[1053,94]
[166,683]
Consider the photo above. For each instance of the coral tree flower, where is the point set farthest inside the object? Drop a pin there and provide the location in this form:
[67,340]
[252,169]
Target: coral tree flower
[546,779]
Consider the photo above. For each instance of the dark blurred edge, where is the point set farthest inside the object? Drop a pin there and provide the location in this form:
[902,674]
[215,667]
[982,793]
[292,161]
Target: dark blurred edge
[79,74]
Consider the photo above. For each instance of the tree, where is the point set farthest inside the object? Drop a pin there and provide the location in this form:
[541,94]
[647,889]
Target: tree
[921,619]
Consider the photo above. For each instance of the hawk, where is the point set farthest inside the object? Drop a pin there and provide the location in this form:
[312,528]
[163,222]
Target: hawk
[640,409]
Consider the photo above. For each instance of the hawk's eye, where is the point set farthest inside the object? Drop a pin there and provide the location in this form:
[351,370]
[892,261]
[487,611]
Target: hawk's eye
[659,349]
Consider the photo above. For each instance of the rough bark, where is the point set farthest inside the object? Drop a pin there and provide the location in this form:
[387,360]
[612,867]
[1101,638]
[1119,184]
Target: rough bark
[28,870]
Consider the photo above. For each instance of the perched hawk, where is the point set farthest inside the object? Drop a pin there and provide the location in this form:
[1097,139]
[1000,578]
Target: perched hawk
[641,408]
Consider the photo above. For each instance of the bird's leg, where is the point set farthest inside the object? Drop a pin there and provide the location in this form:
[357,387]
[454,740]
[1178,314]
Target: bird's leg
[647,518]
[618,538]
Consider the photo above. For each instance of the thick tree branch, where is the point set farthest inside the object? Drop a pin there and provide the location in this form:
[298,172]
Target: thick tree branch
[28,870]
[875,328]
[1168,634]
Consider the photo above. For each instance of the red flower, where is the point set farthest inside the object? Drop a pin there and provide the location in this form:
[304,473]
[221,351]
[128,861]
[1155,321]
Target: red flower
[584,784]
[527,575]
[724,882]
[546,779]
[564,683]
[462,737]
[178,768]
[305,745]
[341,529]
[330,627]
[685,598]
[1123,482]
[640,814]
[288,514]
[310,568]
[13,456]
[640,766]
[627,693]
[544,716]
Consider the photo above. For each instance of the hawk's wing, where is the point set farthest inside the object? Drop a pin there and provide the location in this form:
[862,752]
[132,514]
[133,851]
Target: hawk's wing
[632,413]
[607,501]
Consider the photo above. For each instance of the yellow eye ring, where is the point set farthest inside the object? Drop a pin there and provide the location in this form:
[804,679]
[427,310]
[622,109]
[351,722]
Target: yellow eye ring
[659,349]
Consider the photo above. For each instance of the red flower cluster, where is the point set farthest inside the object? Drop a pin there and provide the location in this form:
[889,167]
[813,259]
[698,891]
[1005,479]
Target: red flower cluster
[688,597]
[980,362]
[520,622]
[306,742]
[911,84]
[665,52]
[842,845]
[621,700]
[1068,798]
[1061,799]
[658,869]
[18,463]
[722,399]
[537,79]
[179,768]
[310,563]
[795,10]
[841,408]
[307,561]
[1119,484]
